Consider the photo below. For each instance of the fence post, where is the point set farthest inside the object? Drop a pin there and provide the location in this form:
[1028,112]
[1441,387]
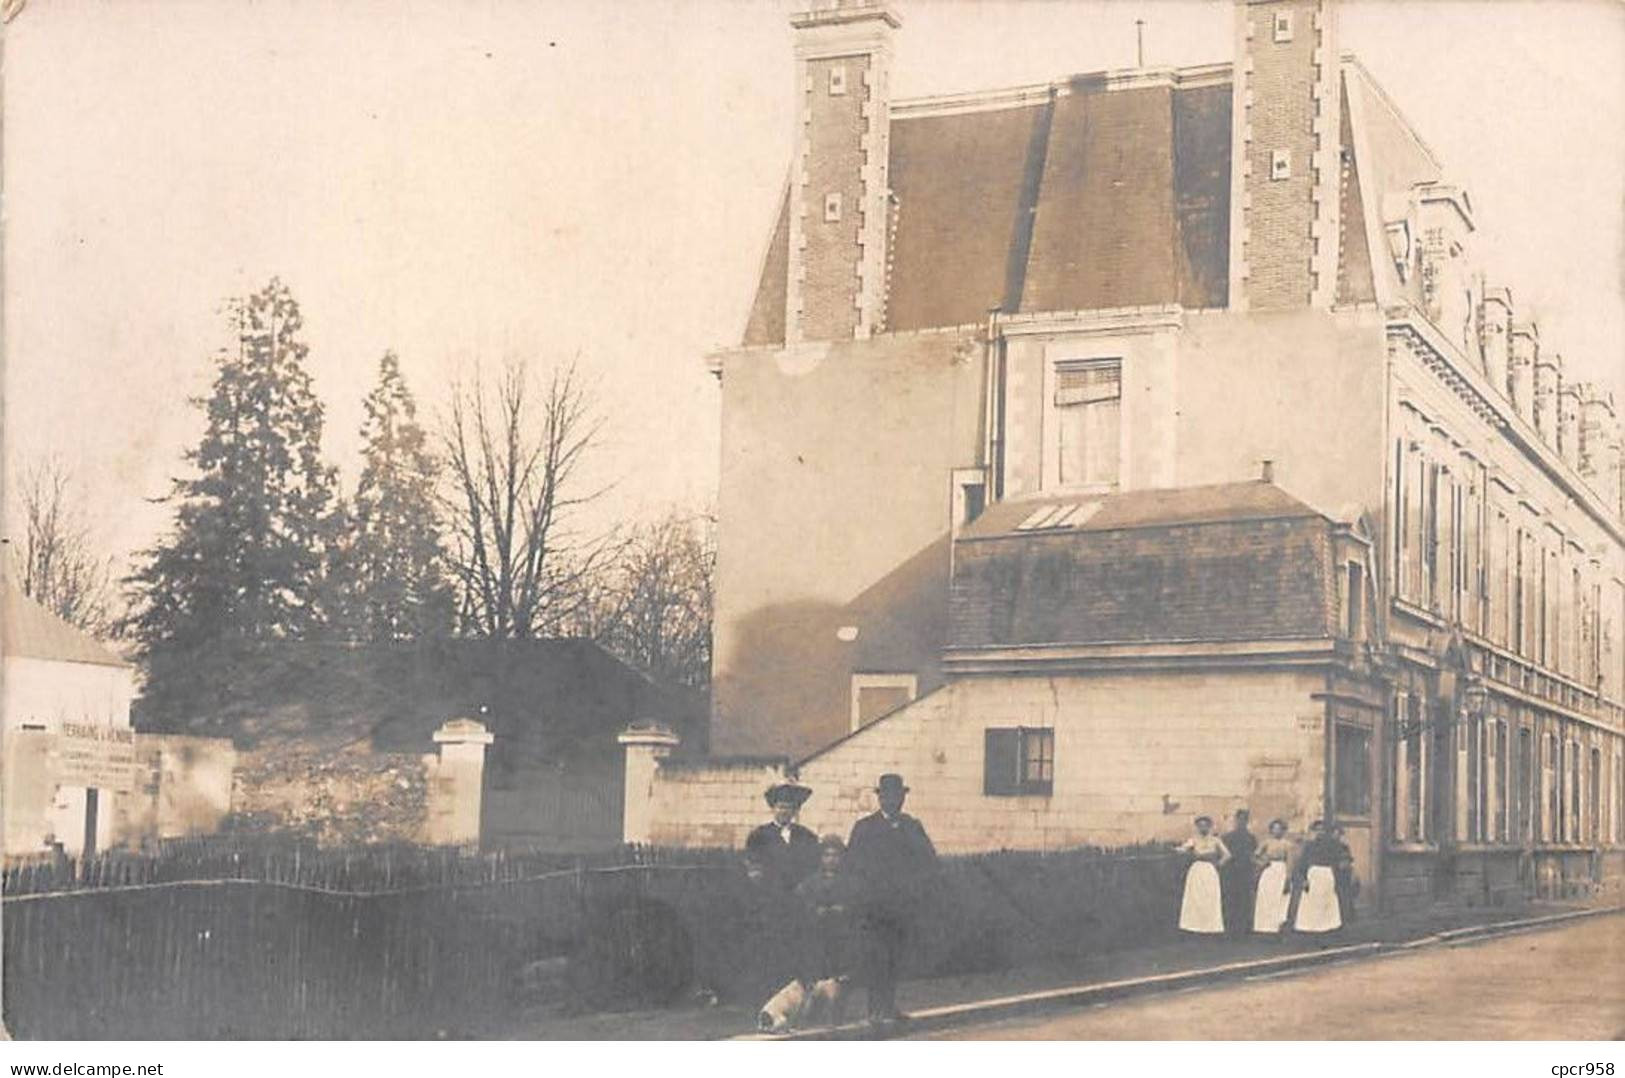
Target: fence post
[646,746]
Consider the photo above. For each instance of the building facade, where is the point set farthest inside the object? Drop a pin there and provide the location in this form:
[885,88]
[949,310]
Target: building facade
[1150,442]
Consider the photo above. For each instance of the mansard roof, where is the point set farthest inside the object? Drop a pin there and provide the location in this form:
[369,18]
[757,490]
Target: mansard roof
[1228,563]
[1096,191]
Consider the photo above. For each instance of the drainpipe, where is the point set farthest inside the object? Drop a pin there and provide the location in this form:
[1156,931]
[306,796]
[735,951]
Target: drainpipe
[989,389]
[993,420]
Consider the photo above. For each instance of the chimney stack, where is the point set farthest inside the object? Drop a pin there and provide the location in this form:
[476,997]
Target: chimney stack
[1494,322]
[1285,155]
[1445,217]
[1568,421]
[1600,444]
[1548,381]
[840,193]
[1521,368]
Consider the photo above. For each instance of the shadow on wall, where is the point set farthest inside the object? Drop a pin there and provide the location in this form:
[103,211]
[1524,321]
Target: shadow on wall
[786,687]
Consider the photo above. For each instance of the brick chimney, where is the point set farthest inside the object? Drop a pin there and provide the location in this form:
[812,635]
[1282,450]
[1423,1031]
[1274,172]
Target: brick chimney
[1521,368]
[840,193]
[1285,157]
[1548,381]
[1494,323]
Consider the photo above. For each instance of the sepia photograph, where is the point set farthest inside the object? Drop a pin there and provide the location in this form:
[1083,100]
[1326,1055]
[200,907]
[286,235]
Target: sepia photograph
[812,520]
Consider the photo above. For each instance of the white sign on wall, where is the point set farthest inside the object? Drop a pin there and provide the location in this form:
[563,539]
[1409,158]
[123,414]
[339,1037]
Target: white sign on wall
[96,756]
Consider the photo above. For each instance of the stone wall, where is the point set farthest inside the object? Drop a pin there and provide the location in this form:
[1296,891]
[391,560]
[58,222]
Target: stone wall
[709,803]
[184,787]
[335,795]
[1136,757]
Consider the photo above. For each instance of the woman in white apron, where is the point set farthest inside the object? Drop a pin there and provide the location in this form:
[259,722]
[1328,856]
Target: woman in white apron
[1317,905]
[1274,888]
[1202,909]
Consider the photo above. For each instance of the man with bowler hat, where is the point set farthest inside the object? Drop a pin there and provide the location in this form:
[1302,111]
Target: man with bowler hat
[893,860]
[787,851]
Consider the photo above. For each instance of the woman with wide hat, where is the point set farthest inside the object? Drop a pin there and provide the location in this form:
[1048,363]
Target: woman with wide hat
[787,851]
[1202,908]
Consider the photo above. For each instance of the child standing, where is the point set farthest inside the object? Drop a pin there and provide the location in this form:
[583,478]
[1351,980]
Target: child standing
[830,897]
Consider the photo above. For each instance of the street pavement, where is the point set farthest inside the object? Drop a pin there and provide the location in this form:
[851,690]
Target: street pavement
[1561,983]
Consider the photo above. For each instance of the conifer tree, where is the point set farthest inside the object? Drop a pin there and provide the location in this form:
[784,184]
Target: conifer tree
[402,589]
[244,562]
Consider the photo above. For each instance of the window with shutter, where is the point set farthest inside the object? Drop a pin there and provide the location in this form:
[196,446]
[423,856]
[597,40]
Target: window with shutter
[1088,399]
[1018,760]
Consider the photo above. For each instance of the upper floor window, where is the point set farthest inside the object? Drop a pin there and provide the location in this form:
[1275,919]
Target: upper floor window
[1353,600]
[1088,407]
[1283,26]
[969,495]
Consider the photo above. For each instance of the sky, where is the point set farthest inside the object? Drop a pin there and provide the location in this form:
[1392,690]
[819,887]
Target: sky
[465,182]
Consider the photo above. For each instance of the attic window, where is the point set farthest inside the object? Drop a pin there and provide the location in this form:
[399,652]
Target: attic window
[1281,164]
[1283,26]
[875,696]
[832,207]
[837,80]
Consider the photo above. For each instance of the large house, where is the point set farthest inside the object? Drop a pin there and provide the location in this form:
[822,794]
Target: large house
[1149,442]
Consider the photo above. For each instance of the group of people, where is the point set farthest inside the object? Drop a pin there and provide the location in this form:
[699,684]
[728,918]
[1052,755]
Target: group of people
[1237,882]
[834,914]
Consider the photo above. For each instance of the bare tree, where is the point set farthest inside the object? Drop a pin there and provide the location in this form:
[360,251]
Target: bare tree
[52,550]
[652,605]
[513,460]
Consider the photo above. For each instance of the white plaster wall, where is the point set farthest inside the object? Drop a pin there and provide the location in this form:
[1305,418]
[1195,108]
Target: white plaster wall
[44,692]
[49,692]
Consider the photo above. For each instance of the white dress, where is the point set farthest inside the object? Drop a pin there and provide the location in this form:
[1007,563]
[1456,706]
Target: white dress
[1202,909]
[1317,906]
[1273,899]
[1270,904]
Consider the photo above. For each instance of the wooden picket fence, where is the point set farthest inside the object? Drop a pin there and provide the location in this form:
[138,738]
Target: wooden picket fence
[297,861]
[237,939]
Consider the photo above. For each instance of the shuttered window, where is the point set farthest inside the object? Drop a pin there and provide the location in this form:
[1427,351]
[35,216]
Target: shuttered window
[1088,399]
[1018,760]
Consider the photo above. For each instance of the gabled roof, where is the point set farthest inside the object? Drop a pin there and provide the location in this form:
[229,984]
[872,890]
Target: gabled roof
[28,630]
